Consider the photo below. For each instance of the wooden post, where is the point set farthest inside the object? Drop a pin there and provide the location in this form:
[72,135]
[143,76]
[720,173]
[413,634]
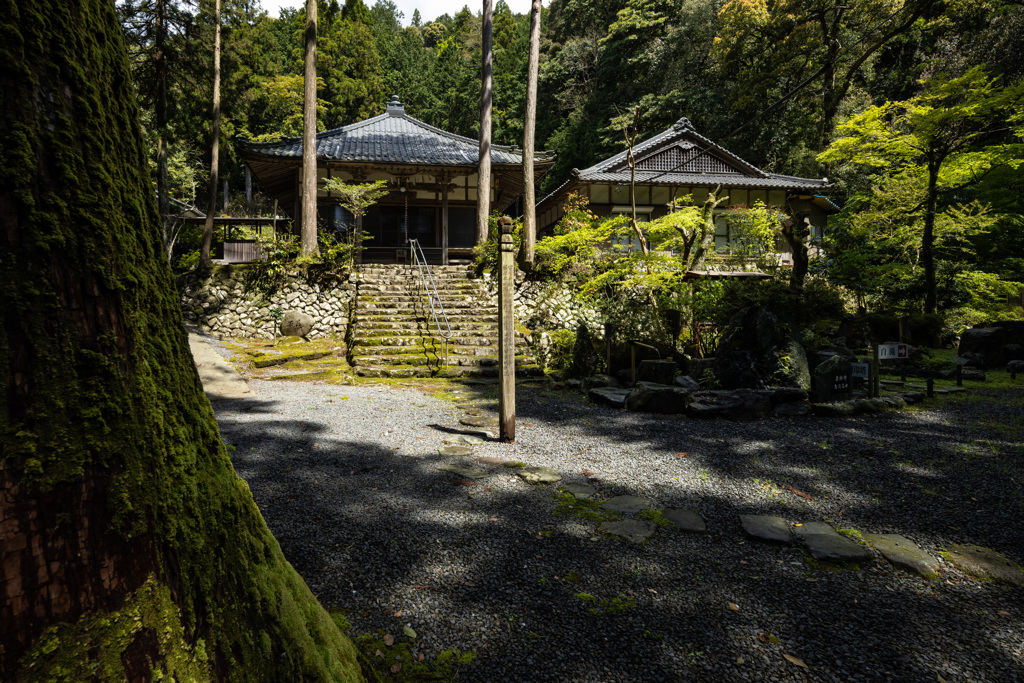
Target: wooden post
[876,388]
[248,188]
[483,179]
[959,375]
[609,340]
[445,188]
[529,126]
[930,383]
[507,339]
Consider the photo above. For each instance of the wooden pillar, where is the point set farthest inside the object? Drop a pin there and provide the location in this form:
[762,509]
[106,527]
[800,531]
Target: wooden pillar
[445,189]
[507,331]
[248,187]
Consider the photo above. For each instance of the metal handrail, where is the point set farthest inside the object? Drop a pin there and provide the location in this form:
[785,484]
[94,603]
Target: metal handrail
[421,262]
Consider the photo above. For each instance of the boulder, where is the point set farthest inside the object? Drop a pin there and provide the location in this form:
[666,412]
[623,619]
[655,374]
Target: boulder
[609,396]
[647,397]
[987,343]
[759,350]
[656,371]
[687,382]
[1015,367]
[717,403]
[296,324]
[598,381]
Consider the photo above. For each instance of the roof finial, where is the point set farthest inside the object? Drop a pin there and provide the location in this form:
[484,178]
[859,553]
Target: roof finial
[395,106]
[684,124]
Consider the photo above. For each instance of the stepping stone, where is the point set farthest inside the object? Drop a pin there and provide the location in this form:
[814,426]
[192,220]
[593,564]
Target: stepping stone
[766,528]
[456,451]
[629,504]
[904,553]
[634,530]
[488,460]
[465,472]
[539,475]
[581,491]
[985,563]
[476,412]
[480,422]
[826,544]
[464,440]
[687,520]
[609,396]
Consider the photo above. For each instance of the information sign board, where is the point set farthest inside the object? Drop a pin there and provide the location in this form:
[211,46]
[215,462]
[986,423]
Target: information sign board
[893,351]
[859,370]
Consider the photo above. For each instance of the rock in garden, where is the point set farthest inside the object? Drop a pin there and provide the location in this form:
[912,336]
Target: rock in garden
[597,382]
[648,397]
[539,475]
[766,528]
[465,440]
[608,396]
[491,422]
[826,544]
[629,504]
[904,553]
[581,491]
[656,371]
[634,530]
[985,563]
[296,324]
[687,520]
[759,351]
[687,382]
[464,472]
[1015,367]
[455,451]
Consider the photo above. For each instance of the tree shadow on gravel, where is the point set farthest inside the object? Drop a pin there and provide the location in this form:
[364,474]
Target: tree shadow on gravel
[380,532]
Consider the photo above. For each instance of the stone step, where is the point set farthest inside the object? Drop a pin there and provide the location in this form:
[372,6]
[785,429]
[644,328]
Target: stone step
[395,287]
[378,317]
[430,358]
[434,347]
[452,305]
[398,327]
[422,371]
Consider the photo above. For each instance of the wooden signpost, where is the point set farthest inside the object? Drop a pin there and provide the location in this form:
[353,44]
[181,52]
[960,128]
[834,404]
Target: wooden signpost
[507,331]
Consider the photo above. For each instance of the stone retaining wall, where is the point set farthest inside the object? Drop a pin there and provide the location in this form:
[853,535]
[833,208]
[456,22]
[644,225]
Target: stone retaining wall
[219,304]
[546,305]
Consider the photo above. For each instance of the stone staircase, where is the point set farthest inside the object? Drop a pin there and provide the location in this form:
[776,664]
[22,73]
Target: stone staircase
[393,333]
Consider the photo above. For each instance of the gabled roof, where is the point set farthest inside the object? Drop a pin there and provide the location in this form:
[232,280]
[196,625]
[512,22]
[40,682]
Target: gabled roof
[681,156]
[394,137]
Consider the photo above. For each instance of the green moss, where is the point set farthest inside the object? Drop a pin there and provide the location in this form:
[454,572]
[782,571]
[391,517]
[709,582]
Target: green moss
[852,533]
[826,566]
[590,510]
[91,647]
[656,517]
[620,604]
[378,661]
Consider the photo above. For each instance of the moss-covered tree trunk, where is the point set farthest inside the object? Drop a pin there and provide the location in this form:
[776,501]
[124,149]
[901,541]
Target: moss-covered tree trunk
[128,545]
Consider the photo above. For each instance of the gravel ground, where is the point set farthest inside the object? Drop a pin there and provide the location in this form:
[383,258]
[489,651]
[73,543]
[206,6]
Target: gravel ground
[347,479]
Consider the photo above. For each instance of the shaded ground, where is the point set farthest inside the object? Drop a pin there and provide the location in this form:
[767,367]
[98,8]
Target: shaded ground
[347,479]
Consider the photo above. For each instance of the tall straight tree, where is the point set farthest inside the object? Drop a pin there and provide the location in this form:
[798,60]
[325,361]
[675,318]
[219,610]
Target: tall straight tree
[483,192]
[211,207]
[130,550]
[309,246]
[529,137]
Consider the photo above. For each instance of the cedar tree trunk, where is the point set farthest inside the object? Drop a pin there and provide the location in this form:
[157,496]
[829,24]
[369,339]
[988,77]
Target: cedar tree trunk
[483,182]
[205,259]
[529,138]
[308,229]
[129,548]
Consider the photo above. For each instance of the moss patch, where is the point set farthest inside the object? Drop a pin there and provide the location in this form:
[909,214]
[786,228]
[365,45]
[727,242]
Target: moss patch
[590,510]
[397,663]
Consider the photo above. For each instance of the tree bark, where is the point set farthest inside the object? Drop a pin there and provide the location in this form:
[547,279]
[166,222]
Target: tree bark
[163,189]
[309,228]
[796,236]
[529,141]
[483,183]
[128,545]
[928,239]
[205,260]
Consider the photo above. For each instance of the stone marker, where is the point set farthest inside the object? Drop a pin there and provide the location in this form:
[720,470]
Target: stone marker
[480,422]
[457,451]
[464,440]
[832,380]
[634,530]
[539,475]
[629,504]
[826,544]
[904,553]
[687,520]
[466,472]
[609,396]
[985,563]
[766,528]
[296,324]
[582,491]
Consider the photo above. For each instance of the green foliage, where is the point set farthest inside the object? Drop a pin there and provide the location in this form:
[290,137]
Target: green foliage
[562,344]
